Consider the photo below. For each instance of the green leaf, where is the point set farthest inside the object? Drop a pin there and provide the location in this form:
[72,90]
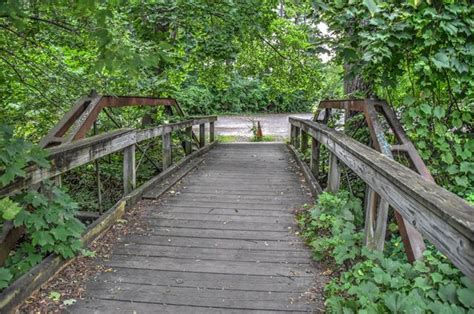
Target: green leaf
[439,112]
[372,6]
[415,3]
[466,297]
[447,293]
[426,108]
[462,181]
[9,209]
[55,296]
[393,301]
[436,277]
[5,277]
[468,282]
[441,60]
[423,284]
[409,100]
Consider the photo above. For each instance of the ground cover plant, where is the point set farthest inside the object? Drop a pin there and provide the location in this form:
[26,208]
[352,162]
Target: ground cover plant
[375,282]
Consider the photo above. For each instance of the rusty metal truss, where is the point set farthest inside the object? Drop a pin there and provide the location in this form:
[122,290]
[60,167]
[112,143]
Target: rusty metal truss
[79,120]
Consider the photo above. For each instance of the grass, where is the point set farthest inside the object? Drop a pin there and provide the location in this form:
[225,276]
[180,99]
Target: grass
[226,138]
[265,138]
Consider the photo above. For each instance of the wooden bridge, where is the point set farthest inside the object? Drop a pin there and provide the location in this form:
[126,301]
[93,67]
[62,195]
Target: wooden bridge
[221,232]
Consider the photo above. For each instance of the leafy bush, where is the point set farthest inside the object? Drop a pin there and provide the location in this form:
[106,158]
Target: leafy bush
[331,227]
[372,282]
[47,217]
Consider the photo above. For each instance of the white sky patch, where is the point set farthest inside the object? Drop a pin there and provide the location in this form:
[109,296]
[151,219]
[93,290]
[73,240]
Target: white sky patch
[324,29]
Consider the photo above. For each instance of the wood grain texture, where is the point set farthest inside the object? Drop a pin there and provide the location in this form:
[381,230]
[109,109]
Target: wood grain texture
[208,248]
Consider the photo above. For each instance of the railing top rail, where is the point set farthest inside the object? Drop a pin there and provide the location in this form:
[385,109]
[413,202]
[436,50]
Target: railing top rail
[441,216]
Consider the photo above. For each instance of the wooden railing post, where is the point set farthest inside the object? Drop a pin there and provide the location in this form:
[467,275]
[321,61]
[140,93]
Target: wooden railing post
[211,131]
[292,134]
[189,140]
[334,176]
[166,147]
[202,135]
[304,141]
[129,173]
[295,134]
[314,162]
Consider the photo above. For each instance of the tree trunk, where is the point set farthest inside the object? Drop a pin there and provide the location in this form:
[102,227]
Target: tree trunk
[355,85]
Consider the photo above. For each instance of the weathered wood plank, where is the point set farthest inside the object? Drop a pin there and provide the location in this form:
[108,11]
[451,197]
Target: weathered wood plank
[166,150]
[129,171]
[209,280]
[223,299]
[334,176]
[209,266]
[211,132]
[202,135]
[231,225]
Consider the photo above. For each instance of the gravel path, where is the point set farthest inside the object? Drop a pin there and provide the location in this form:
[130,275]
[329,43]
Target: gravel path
[275,124]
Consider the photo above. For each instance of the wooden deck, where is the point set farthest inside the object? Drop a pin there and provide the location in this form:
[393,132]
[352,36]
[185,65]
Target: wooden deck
[223,240]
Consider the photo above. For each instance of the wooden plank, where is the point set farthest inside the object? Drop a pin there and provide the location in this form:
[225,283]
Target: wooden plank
[206,211]
[202,135]
[223,234]
[217,254]
[334,176]
[441,216]
[304,141]
[223,299]
[209,280]
[220,218]
[314,161]
[129,171]
[189,140]
[127,307]
[208,266]
[239,199]
[281,205]
[231,225]
[217,243]
[166,150]
[211,132]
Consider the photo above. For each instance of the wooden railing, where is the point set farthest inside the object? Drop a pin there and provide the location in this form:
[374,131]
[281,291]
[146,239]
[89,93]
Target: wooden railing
[66,157]
[69,156]
[443,218]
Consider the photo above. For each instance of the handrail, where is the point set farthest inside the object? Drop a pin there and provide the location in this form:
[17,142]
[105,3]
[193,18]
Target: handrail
[441,216]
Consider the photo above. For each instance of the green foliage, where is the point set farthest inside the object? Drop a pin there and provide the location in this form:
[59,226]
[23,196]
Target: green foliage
[418,55]
[372,282]
[15,155]
[47,217]
[331,227]
[381,284]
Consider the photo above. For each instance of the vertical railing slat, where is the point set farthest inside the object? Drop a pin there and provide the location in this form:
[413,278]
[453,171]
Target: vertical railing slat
[129,171]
